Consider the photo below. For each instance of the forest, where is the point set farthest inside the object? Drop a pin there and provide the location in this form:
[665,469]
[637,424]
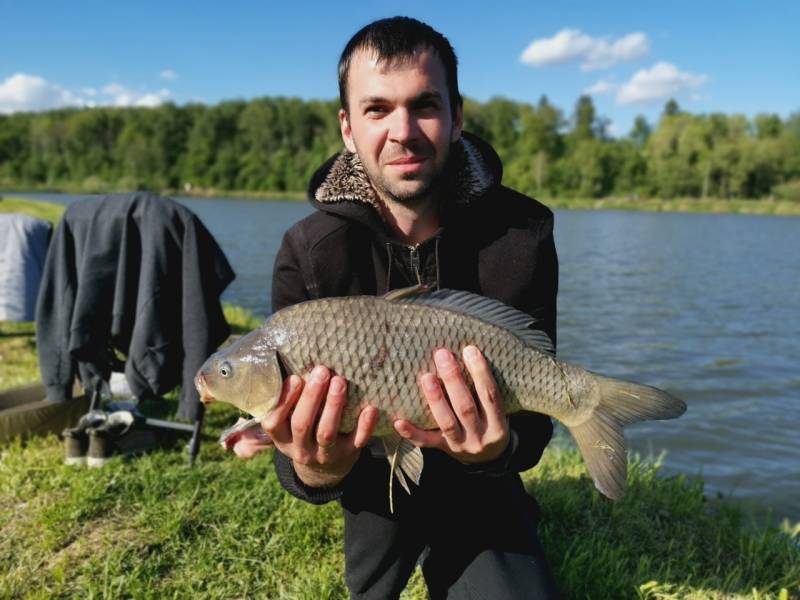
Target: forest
[275,144]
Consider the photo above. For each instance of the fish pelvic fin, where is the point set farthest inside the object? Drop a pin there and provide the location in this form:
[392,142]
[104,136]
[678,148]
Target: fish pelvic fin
[600,438]
[405,460]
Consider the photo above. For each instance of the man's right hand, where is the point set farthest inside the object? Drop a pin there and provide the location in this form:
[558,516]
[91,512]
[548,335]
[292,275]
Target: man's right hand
[305,427]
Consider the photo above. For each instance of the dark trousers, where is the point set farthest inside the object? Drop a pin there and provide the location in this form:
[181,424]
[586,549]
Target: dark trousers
[477,536]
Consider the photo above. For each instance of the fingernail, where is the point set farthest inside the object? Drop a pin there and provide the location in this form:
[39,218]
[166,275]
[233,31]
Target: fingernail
[444,357]
[470,353]
[429,382]
[319,374]
[337,385]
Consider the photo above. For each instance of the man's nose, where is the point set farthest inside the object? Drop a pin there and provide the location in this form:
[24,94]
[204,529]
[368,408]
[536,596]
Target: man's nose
[404,126]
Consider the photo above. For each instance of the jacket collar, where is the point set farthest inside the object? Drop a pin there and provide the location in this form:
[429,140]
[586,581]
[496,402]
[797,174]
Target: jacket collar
[473,168]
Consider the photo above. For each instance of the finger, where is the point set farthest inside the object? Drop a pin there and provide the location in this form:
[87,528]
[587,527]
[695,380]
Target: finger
[440,407]
[276,424]
[331,416]
[367,420]
[305,411]
[457,391]
[420,437]
[485,386]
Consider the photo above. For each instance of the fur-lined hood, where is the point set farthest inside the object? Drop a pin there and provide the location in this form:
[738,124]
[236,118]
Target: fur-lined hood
[341,185]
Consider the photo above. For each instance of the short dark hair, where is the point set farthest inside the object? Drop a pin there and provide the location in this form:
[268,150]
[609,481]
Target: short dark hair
[400,37]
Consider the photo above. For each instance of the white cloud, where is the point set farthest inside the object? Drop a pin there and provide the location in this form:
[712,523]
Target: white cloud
[168,75]
[658,83]
[153,99]
[600,88]
[22,92]
[572,45]
[120,95]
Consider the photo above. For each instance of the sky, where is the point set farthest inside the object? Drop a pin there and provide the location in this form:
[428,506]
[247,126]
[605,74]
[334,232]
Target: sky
[730,56]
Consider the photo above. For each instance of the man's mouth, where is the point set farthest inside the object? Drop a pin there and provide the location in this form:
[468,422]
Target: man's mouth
[408,163]
[407,160]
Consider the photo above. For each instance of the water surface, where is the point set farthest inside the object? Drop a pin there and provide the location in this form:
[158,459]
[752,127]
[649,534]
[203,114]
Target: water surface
[704,306]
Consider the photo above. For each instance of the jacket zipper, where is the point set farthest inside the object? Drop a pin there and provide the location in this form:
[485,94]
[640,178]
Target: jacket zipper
[414,259]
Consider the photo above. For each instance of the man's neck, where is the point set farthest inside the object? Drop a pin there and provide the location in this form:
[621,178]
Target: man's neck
[411,224]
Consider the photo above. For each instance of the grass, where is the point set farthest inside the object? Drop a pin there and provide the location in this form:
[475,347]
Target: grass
[153,527]
[35,208]
[18,364]
[694,205]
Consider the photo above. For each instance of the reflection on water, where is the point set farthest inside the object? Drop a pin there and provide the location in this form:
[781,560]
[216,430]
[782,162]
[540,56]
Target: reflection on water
[705,306]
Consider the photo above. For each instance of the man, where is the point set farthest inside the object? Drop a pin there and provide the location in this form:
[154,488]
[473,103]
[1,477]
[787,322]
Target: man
[414,200]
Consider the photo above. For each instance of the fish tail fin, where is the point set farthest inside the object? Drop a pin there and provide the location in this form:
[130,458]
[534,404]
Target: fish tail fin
[600,437]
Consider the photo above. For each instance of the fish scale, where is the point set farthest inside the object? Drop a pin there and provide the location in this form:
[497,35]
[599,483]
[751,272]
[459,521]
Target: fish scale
[382,370]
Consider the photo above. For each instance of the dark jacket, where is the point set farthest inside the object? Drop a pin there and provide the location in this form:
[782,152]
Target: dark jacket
[139,274]
[493,241]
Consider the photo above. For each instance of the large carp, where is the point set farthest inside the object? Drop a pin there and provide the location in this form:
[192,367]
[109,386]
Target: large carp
[381,345]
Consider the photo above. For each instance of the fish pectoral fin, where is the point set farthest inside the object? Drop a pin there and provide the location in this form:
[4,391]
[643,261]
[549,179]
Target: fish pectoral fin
[405,461]
[237,428]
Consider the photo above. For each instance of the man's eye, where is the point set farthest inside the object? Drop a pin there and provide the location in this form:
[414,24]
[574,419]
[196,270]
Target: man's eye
[375,110]
[427,105]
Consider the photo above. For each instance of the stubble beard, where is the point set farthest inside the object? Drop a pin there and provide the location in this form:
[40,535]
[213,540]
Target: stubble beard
[392,191]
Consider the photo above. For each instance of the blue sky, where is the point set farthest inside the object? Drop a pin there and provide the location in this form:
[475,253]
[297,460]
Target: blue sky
[732,57]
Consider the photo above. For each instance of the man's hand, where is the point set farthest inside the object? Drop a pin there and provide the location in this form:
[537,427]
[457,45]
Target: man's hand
[305,427]
[471,431]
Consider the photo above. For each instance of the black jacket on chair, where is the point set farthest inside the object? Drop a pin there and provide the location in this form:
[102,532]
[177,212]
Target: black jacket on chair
[138,274]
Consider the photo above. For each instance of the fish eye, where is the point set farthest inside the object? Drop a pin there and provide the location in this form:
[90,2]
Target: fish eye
[225,369]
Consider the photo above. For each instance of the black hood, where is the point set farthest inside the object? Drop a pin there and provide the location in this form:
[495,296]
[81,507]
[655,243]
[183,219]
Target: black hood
[341,187]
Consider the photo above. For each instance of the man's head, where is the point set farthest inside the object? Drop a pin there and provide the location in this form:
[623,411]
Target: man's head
[401,109]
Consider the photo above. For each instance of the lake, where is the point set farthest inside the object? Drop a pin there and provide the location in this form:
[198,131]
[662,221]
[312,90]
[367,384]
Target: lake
[704,306]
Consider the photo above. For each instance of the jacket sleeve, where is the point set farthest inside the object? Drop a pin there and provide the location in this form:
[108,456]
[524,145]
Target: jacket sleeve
[531,432]
[206,274]
[54,316]
[291,280]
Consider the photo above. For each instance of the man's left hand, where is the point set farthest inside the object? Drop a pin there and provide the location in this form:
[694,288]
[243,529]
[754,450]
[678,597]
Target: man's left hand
[472,431]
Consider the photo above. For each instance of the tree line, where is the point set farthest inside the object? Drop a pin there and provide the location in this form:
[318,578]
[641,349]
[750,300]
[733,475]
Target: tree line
[275,144]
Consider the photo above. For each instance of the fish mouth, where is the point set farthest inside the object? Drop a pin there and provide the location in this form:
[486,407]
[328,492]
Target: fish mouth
[202,388]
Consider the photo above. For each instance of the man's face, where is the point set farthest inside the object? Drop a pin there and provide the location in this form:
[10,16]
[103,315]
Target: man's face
[399,123]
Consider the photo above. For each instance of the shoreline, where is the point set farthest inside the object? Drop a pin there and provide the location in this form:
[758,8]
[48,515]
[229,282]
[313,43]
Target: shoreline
[765,206]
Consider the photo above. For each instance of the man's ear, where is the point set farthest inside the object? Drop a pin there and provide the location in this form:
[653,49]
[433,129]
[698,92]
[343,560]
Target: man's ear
[458,124]
[347,132]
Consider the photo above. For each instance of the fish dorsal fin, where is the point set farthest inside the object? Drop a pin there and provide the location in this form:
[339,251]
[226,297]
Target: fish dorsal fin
[486,309]
[406,292]
[405,460]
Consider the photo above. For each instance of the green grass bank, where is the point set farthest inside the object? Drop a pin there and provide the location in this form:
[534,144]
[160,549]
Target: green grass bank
[152,527]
